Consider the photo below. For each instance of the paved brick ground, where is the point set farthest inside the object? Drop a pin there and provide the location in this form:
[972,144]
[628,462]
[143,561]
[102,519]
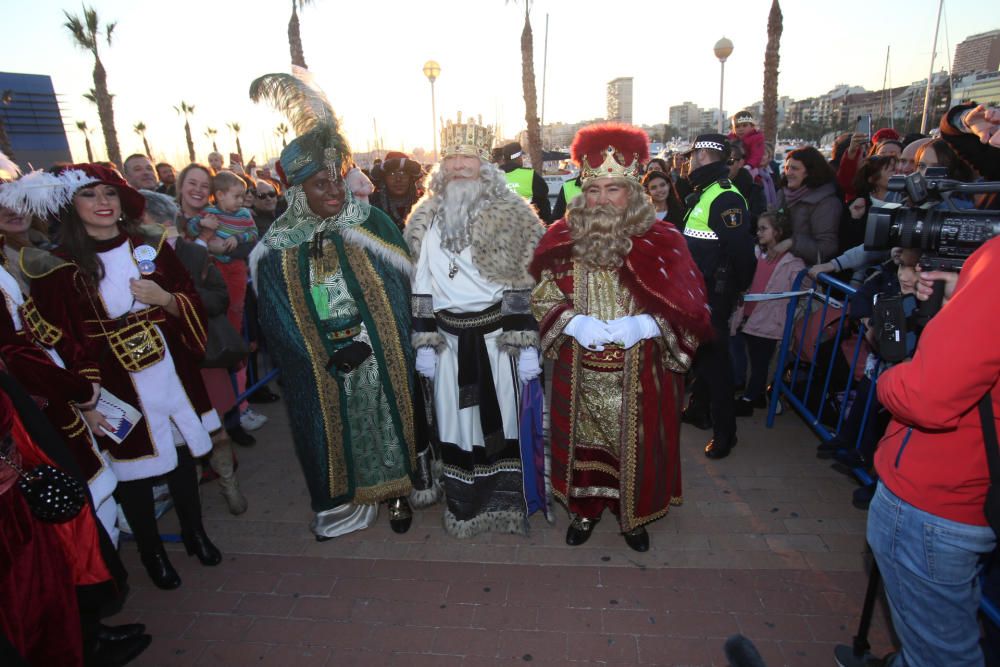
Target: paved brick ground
[766,544]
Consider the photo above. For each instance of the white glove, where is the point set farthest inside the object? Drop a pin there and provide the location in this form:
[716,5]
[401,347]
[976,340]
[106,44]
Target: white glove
[527,365]
[630,330]
[588,331]
[427,361]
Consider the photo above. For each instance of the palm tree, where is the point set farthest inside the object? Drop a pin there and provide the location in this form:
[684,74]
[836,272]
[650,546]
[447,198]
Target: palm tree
[771,56]
[235,127]
[6,97]
[87,35]
[187,110]
[140,129]
[530,92]
[294,39]
[282,131]
[210,132]
[82,126]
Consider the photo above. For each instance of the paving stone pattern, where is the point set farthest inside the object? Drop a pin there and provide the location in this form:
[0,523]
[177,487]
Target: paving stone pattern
[766,544]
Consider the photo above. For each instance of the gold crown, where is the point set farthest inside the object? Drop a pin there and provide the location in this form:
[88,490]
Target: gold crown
[471,138]
[612,167]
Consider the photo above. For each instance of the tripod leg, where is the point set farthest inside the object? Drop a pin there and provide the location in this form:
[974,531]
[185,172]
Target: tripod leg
[861,644]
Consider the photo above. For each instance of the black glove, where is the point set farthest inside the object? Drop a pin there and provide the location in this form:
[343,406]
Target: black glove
[347,358]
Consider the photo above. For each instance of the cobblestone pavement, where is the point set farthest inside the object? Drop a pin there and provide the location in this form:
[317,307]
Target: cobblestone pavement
[766,544]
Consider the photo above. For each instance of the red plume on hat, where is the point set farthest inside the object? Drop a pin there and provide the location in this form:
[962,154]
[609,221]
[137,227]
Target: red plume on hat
[593,140]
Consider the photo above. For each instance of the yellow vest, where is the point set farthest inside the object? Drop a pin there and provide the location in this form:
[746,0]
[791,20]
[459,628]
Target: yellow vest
[571,190]
[696,223]
[520,180]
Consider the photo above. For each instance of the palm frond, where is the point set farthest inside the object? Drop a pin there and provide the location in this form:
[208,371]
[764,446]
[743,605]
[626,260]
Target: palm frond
[75,26]
[297,97]
[90,18]
[108,29]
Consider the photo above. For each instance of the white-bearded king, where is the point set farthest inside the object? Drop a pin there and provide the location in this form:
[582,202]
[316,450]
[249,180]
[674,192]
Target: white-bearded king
[473,240]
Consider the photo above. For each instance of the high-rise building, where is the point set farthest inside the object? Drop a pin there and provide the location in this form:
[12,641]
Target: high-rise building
[686,119]
[33,120]
[620,99]
[978,53]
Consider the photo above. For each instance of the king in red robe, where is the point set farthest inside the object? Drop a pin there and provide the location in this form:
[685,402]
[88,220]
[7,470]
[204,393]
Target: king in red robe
[621,308]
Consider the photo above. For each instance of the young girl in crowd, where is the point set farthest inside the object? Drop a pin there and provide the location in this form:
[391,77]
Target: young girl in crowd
[757,327]
[660,190]
[745,129]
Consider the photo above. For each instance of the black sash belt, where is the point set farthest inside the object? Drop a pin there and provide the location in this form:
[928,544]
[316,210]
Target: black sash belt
[475,376]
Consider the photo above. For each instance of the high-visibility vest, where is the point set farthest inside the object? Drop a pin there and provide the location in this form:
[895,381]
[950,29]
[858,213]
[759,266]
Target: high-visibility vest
[696,223]
[520,180]
[571,190]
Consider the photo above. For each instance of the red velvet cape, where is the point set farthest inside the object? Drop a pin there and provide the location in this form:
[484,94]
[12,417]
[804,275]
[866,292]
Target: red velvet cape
[664,282]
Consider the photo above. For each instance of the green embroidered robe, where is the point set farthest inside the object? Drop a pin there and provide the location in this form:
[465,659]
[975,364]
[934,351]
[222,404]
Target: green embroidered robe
[354,433]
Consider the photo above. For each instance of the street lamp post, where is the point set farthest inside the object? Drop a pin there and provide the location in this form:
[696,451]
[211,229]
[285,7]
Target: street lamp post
[431,71]
[723,49]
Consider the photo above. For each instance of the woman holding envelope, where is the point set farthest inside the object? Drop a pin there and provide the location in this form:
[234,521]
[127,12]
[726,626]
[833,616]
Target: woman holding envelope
[124,315]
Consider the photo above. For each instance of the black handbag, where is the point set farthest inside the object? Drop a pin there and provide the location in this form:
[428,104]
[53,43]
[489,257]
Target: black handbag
[52,495]
[225,347]
[991,507]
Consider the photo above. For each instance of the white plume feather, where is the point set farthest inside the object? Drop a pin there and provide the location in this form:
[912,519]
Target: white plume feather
[42,194]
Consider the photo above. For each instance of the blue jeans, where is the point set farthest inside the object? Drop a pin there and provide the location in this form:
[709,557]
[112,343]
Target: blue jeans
[930,567]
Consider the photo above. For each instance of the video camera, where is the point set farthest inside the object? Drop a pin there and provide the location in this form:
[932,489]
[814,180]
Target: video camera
[945,236]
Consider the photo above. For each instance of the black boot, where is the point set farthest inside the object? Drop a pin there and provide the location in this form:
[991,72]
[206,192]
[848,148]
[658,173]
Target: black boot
[720,446]
[579,531]
[400,515]
[638,539]
[115,652]
[196,543]
[114,633]
[160,570]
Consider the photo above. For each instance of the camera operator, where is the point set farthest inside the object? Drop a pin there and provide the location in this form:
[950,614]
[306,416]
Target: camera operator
[926,524]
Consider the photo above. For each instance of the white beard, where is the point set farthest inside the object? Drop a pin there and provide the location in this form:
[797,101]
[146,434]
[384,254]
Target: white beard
[460,203]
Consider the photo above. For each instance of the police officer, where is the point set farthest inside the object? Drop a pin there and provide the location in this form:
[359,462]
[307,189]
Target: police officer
[525,182]
[570,189]
[717,230]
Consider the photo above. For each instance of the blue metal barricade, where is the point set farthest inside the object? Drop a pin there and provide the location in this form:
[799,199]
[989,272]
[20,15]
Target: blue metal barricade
[803,380]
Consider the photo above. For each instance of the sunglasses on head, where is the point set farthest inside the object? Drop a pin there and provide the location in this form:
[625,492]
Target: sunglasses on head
[267,195]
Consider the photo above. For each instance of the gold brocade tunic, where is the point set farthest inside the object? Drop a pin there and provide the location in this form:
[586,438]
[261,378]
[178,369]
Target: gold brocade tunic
[600,417]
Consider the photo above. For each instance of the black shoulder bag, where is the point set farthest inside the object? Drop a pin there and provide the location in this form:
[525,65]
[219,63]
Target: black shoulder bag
[992,505]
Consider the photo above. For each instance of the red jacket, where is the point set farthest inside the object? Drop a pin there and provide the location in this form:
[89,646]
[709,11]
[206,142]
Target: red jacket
[932,455]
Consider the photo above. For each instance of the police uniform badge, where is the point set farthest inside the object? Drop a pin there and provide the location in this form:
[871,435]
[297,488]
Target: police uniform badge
[732,217]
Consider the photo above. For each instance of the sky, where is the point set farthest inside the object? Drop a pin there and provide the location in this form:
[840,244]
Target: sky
[368,58]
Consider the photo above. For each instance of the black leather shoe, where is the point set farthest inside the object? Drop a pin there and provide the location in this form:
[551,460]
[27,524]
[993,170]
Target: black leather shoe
[196,543]
[114,633]
[117,652]
[638,539]
[579,530]
[160,570]
[241,437]
[697,417]
[719,448]
[400,515]
[263,395]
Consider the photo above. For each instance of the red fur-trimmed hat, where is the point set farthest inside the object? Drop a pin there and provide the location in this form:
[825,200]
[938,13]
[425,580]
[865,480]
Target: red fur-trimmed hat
[610,150]
[133,203]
